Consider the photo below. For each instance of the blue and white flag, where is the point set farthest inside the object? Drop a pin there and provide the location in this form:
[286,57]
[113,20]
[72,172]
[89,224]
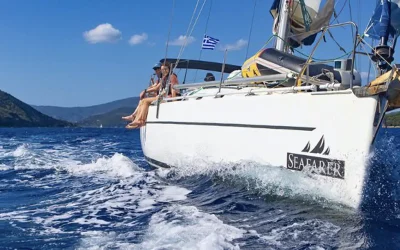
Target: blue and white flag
[209,42]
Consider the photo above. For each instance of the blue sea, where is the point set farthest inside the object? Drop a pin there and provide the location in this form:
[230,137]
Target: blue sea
[77,188]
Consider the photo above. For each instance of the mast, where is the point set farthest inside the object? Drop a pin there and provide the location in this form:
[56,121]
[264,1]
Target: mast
[283,25]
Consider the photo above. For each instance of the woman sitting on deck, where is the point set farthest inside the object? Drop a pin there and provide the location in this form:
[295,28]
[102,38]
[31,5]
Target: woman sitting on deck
[149,92]
[143,107]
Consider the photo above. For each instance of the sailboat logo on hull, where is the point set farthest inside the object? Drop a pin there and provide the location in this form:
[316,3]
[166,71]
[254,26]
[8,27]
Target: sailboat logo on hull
[316,165]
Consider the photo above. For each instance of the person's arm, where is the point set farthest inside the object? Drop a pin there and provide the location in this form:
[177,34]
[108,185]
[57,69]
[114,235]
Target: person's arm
[153,88]
[174,81]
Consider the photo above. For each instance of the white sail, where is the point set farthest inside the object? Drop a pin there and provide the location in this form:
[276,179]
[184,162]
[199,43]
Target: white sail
[312,7]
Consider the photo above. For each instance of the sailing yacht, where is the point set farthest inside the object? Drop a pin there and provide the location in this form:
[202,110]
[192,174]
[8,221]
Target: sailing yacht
[313,122]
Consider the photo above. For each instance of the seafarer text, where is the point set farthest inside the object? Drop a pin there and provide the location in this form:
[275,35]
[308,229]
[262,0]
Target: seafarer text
[316,165]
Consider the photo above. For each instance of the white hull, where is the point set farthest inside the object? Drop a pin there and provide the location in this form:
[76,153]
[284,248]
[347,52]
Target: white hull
[272,130]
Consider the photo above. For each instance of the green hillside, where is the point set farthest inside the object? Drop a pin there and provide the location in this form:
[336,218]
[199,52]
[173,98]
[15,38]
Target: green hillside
[110,119]
[15,113]
[77,114]
[392,119]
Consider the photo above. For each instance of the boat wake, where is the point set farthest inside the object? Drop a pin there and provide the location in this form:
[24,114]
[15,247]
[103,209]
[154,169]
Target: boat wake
[91,192]
[264,180]
[109,202]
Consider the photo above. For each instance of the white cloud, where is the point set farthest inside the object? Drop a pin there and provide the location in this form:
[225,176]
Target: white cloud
[239,44]
[181,41]
[138,39]
[103,33]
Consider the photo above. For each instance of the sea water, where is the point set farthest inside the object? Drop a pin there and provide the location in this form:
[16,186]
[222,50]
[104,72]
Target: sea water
[77,188]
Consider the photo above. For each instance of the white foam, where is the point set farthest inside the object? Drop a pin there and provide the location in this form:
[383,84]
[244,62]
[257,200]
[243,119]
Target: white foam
[173,193]
[265,179]
[98,240]
[4,167]
[308,231]
[91,221]
[185,227]
[21,150]
[135,192]
[116,166]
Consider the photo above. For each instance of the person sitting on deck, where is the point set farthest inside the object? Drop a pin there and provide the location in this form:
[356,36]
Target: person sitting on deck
[144,104]
[150,92]
[209,77]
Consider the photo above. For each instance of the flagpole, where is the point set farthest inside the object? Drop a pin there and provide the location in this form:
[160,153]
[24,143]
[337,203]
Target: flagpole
[222,71]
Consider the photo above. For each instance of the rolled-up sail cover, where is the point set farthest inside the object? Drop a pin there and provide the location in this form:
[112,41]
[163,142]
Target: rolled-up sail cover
[305,19]
[271,61]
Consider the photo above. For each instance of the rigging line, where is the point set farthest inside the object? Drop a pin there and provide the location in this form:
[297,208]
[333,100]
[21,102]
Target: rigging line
[359,11]
[295,8]
[337,43]
[194,25]
[205,32]
[351,18]
[251,28]
[352,30]
[335,15]
[187,31]
[208,18]
[370,60]
[369,66]
[338,14]
[373,50]
[169,31]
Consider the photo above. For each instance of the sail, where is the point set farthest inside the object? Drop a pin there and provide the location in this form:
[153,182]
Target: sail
[385,21]
[306,19]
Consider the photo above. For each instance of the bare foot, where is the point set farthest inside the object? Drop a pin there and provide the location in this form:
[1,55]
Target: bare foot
[136,124]
[128,118]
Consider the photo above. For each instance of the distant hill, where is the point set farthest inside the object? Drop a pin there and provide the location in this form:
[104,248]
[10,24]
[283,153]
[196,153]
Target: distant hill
[392,119]
[110,119]
[15,113]
[77,114]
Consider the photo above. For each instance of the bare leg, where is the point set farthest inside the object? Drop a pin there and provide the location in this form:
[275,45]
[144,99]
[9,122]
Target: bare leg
[131,117]
[141,116]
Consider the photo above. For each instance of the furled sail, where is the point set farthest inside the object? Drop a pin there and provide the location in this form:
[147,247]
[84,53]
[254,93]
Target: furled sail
[305,19]
[385,21]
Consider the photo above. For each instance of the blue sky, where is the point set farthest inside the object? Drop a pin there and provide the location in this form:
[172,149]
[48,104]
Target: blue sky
[87,52]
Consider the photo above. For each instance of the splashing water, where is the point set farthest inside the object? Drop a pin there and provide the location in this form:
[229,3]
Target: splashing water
[91,189]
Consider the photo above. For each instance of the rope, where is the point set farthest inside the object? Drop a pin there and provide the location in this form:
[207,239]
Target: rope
[194,24]
[305,55]
[187,31]
[184,45]
[205,33]
[338,14]
[169,31]
[251,28]
[359,8]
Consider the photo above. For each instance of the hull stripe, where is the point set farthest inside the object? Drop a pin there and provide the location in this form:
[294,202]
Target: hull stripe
[157,163]
[238,125]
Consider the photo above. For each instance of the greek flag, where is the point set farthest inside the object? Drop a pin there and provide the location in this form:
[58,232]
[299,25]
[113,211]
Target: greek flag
[209,42]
